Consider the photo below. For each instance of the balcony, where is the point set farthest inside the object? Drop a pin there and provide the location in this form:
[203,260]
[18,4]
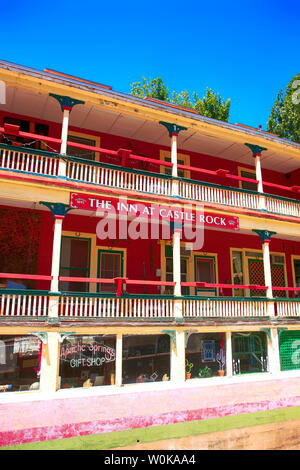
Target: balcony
[48,164]
[40,305]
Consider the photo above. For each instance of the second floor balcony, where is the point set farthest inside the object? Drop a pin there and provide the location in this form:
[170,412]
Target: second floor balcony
[46,164]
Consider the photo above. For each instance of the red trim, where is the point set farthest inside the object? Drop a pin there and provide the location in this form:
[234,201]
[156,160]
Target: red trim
[38,277]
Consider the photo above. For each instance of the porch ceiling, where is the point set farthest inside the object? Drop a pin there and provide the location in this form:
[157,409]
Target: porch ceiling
[41,106]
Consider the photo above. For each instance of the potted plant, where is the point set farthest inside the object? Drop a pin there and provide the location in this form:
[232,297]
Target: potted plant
[206,372]
[221,359]
[188,368]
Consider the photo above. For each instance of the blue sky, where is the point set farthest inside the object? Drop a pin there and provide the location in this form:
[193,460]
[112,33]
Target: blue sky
[245,50]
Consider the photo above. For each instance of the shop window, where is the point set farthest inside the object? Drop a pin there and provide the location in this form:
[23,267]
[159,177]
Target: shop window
[19,363]
[87,360]
[249,353]
[74,262]
[79,152]
[146,358]
[205,353]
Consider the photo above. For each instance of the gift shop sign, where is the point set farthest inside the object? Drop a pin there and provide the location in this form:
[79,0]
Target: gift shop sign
[125,207]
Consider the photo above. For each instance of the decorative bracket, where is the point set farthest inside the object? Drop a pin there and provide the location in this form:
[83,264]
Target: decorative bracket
[264,235]
[63,335]
[173,129]
[281,330]
[172,334]
[268,332]
[188,333]
[255,149]
[66,103]
[58,209]
[41,335]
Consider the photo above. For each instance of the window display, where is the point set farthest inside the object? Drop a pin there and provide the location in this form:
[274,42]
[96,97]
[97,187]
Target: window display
[205,355]
[87,361]
[20,358]
[146,358]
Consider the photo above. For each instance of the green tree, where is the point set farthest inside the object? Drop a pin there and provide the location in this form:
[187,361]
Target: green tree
[210,105]
[284,118]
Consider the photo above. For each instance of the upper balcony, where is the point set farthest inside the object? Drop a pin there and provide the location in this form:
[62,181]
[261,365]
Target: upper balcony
[49,164]
[113,140]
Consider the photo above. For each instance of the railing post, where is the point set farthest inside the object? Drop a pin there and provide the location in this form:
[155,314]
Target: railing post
[256,152]
[66,104]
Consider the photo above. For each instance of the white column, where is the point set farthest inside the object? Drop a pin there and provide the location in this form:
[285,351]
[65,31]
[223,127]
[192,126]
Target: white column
[260,189]
[273,352]
[119,348]
[56,253]
[267,268]
[64,131]
[175,186]
[176,262]
[64,138]
[50,364]
[178,358]
[228,354]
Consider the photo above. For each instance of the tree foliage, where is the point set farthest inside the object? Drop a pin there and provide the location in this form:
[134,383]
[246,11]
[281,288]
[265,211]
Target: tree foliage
[211,105]
[284,118]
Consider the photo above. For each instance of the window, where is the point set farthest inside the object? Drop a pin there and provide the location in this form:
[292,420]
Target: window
[184,274]
[237,272]
[19,363]
[181,160]
[245,173]
[87,361]
[146,358]
[110,266]
[249,352]
[205,271]
[79,152]
[74,262]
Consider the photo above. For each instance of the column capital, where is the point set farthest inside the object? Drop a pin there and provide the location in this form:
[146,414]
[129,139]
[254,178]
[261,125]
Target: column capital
[255,149]
[66,103]
[264,235]
[173,129]
[58,209]
[175,226]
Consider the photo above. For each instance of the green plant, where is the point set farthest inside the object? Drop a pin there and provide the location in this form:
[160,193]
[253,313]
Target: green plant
[206,372]
[188,366]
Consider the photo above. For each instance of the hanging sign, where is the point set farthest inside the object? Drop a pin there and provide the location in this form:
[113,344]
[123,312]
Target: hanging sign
[161,212]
